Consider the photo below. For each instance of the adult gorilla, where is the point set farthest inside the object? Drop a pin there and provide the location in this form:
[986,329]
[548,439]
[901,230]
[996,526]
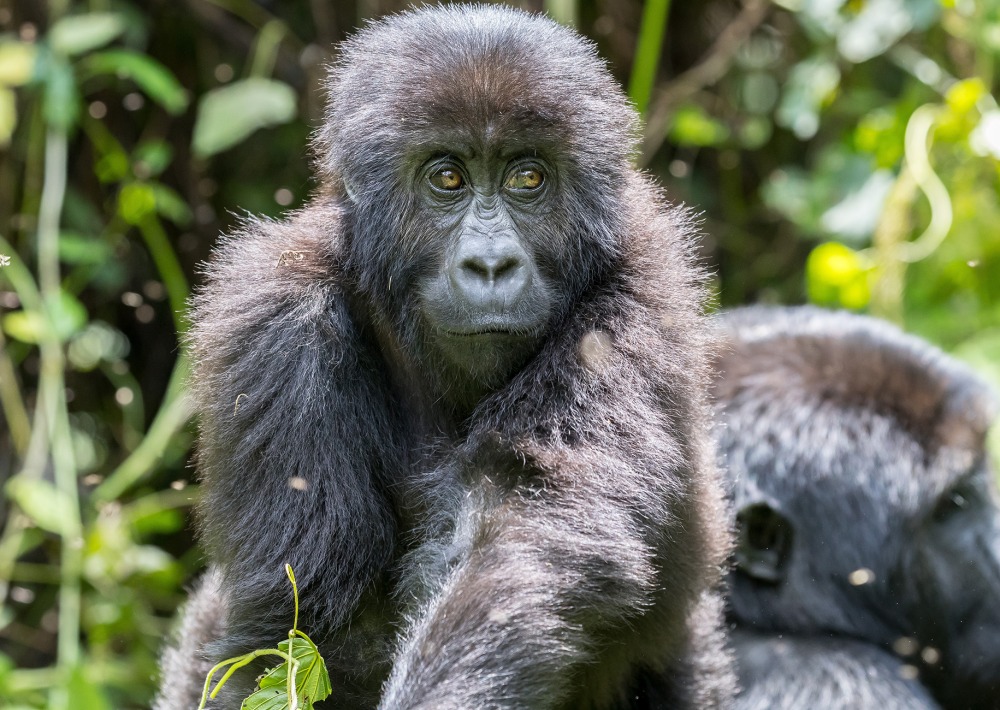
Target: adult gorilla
[461,393]
[868,554]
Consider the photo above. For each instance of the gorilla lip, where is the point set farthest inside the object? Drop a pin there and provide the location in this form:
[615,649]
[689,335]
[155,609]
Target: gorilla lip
[485,331]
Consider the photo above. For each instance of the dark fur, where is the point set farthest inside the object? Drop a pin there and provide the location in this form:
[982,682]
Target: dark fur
[791,672]
[860,437]
[535,534]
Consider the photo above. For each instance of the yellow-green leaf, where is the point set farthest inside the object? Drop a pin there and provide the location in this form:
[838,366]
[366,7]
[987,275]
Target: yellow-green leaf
[26,326]
[837,276]
[86,694]
[8,115]
[963,95]
[691,125]
[17,63]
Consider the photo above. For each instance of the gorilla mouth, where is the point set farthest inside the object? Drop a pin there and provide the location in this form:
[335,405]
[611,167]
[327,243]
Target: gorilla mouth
[484,331]
[486,325]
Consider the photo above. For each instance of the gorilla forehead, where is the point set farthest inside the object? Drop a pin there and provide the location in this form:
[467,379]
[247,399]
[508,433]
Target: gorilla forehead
[485,76]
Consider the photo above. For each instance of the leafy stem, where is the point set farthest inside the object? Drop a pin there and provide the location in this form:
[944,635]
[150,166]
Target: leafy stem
[301,678]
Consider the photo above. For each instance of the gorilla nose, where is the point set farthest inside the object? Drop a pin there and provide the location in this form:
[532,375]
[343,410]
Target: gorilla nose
[494,272]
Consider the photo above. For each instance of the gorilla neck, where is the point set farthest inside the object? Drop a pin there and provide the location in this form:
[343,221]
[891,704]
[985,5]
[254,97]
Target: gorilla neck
[440,382]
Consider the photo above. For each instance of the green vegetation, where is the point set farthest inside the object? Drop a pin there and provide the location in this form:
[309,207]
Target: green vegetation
[299,681]
[844,153]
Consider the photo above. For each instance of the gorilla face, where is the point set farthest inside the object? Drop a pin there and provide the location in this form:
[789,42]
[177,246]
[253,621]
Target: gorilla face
[486,302]
[956,557]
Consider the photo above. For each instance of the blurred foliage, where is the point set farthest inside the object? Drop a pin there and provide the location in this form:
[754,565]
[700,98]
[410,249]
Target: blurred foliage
[842,151]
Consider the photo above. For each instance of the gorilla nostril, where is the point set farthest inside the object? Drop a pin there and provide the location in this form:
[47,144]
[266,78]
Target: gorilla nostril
[507,267]
[477,266]
[491,268]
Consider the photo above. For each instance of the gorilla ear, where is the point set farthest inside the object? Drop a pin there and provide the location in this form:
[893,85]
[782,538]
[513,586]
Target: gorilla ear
[764,540]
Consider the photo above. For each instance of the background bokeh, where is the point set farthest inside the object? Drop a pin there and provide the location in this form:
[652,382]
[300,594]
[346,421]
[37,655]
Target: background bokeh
[842,152]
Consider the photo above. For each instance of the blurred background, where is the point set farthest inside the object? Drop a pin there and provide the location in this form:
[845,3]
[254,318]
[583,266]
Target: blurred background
[841,152]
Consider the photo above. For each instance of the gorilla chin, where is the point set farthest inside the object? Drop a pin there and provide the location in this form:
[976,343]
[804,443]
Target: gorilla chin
[487,357]
[487,340]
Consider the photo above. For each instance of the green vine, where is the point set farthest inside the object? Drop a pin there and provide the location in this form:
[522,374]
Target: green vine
[296,683]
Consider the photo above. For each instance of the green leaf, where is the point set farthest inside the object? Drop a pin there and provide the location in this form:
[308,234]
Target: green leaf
[270,699]
[837,276]
[152,157]
[229,114]
[880,134]
[312,681]
[136,201]
[78,34]
[153,78]
[754,132]
[61,318]
[963,96]
[160,522]
[648,50]
[66,315]
[46,505]
[112,166]
[691,125]
[171,205]
[85,693]
[83,249]
[810,85]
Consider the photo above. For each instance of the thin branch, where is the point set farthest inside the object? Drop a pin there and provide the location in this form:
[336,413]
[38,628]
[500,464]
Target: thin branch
[709,70]
[12,403]
[52,406]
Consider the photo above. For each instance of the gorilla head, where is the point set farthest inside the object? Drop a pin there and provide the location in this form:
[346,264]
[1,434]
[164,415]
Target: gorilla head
[867,507]
[479,205]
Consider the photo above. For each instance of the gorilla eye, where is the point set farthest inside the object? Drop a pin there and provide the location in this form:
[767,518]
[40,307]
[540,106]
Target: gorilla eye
[524,178]
[447,179]
[958,499]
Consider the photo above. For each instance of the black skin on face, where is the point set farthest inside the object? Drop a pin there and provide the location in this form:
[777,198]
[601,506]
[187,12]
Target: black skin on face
[472,410]
[867,511]
[486,303]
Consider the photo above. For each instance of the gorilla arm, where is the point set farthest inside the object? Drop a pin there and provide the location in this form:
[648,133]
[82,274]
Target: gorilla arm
[293,437]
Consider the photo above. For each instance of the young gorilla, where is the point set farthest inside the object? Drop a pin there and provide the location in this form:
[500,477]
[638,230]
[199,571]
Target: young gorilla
[461,392]
[869,531]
